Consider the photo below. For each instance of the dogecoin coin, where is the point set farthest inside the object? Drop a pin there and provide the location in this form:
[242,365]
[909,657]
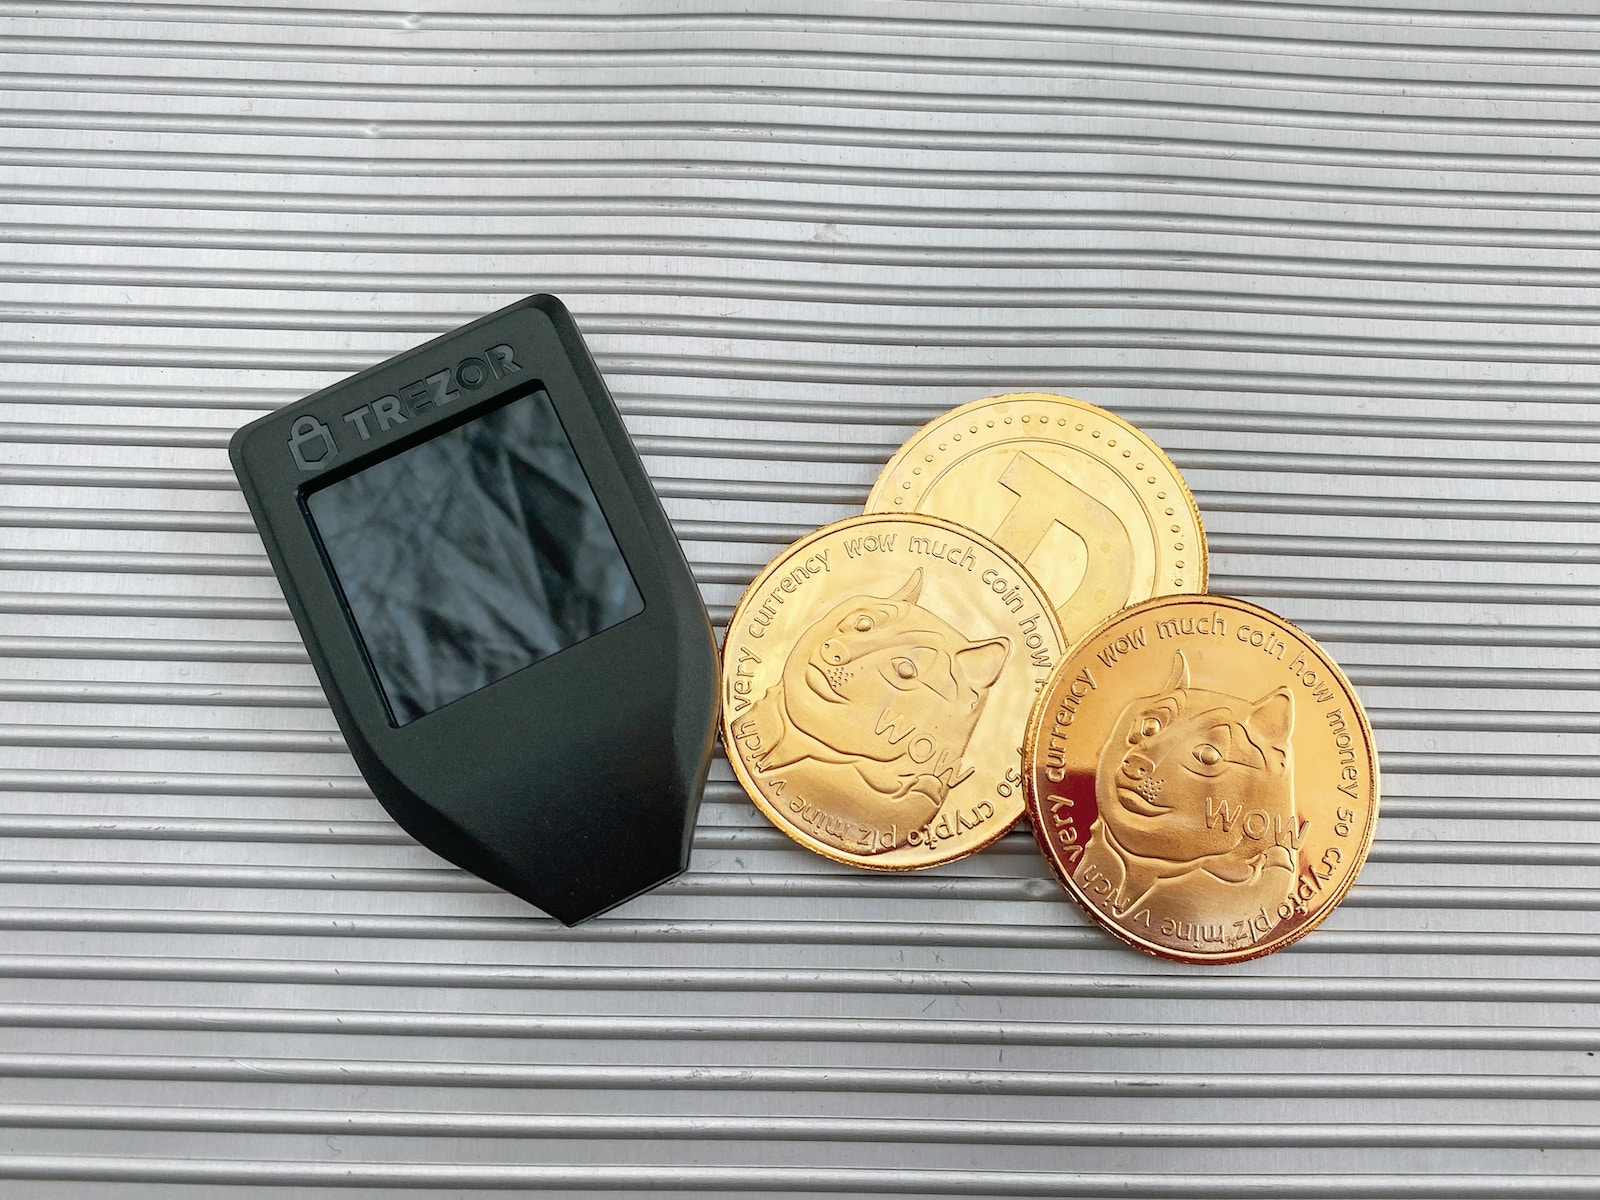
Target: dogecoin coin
[1202,779]
[877,678]
[1088,503]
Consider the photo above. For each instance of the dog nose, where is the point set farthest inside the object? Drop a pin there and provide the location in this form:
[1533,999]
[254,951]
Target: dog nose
[1137,766]
[834,652]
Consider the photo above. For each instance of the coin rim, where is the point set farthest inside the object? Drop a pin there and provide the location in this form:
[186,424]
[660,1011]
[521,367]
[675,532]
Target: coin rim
[1034,809]
[910,444]
[724,724]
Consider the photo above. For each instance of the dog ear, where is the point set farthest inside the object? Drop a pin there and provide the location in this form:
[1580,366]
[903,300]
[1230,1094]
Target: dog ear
[980,662]
[1180,674]
[1270,724]
[911,589]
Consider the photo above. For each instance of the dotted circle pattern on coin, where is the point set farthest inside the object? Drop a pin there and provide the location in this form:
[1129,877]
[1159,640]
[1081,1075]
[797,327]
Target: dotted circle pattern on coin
[876,683]
[1086,501]
[1202,779]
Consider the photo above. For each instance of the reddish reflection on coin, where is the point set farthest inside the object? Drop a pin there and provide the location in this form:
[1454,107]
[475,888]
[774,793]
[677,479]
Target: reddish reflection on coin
[1202,779]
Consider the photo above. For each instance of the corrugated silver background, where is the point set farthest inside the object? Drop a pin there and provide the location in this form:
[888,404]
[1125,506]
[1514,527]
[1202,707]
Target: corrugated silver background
[1340,259]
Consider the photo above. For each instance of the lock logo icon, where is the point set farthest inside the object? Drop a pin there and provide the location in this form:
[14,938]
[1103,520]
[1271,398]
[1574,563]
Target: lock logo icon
[311,442]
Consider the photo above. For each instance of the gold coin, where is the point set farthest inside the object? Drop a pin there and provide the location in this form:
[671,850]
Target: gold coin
[1087,502]
[1202,779]
[876,683]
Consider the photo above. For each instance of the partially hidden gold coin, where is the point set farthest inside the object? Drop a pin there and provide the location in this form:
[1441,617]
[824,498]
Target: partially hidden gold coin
[1202,779]
[1087,502]
[876,683]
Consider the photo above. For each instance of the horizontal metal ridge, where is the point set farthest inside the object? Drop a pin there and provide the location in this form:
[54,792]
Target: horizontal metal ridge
[1371,633]
[800,980]
[118,604]
[182,783]
[277,16]
[1398,228]
[240,875]
[153,649]
[85,475]
[1360,381]
[427,280]
[1466,591]
[1502,720]
[781,246]
[803,63]
[133,562]
[120,393]
[1491,808]
[908,1130]
[1443,633]
[723,532]
[1424,805]
[879,451]
[82,433]
[1395,466]
[1435,897]
[1071,934]
[211,695]
[1463,193]
[1214,500]
[204,829]
[855,495]
[890,410]
[148,737]
[769,367]
[1470,548]
[731,825]
[816,883]
[697,1180]
[925,43]
[1215,417]
[975,22]
[238,830]
[872,1080]
[1449,591]
[787,1028]
[1157,302]
[1539,679]
[1519,852]
[1475,592]
[784,106]
[891,417]
[1196,175]
[795,104]
[85,516]
[1541,155]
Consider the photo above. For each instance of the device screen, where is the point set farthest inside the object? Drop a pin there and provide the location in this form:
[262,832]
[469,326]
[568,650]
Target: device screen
[472,555]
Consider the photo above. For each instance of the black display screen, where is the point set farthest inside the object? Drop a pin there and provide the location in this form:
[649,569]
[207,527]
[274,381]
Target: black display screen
[473,555]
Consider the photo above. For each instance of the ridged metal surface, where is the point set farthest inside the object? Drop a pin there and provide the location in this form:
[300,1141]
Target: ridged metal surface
[1340,259]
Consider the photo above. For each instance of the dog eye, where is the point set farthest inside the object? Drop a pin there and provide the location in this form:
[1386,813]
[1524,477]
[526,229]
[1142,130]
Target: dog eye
[1208,754]
[1149,727]
[863,624]
[905,668]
